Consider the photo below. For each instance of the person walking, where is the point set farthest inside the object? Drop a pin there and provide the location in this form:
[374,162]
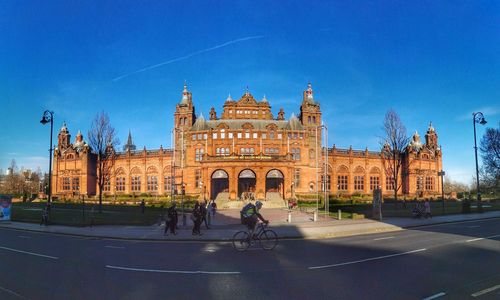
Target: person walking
[171,219]
[214,208]
[427,207]
[196,218]
[143,206]
[203,211]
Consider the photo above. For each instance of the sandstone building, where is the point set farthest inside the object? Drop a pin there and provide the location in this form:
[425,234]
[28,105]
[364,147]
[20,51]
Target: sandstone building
[246,149]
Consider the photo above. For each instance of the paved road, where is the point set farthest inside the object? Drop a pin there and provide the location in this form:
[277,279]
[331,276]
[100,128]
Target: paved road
[453,261]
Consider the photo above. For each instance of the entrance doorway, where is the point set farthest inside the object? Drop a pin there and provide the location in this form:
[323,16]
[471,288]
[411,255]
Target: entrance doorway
[219,183]
[275,182]
[246,184]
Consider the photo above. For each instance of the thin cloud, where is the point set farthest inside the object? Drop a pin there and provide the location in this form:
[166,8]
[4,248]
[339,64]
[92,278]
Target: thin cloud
[487,111]
[189,55]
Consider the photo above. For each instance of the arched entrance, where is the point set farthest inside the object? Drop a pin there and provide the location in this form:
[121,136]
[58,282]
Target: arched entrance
[219,183]
[275,182]
[246,183]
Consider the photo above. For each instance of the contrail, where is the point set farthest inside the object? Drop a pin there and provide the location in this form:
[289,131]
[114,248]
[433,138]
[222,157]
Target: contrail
[189,55]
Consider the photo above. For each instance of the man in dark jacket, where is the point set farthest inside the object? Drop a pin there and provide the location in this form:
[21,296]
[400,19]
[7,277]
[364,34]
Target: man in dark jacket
[203,210]
[171,219]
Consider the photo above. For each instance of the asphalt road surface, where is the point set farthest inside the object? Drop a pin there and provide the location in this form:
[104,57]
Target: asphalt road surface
[450,261]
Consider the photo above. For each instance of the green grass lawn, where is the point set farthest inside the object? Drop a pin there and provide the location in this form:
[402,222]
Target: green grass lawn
[73,214]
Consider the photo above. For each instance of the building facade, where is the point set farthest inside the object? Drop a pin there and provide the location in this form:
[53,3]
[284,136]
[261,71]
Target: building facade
[246,150]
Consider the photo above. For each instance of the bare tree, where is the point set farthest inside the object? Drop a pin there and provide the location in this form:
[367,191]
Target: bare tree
[102,140]
[490,152]
[394,145]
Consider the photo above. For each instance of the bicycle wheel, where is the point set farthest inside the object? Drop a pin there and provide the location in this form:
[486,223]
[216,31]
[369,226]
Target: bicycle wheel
[241,241]
[268,239]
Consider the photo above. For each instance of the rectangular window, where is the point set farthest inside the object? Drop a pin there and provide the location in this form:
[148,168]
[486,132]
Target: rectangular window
[152,183]
[120,184]
[326,181]
[239,135]
[264,136]
[199,154]
[280,136]
[255,135]
[296,153]
[197,178]
[247,135]
[271,135]
[200,136]
[296,177]
[420,183]
[389,183]
[359,183]
[194,137]
[204,136]
[167,184]
[230,135]
[214,135]
[222,135]
[136,183]
[107,185]
[374,182]
[342,182]
[66,184]
[75,186]
[429,183]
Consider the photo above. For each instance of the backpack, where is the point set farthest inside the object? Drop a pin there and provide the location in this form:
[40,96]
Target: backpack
[243,211]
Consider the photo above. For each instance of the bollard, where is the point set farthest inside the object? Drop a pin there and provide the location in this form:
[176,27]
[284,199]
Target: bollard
[315,218]
[289,217]
[340,214]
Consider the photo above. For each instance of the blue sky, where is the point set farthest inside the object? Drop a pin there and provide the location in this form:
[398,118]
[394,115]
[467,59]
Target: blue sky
[428,60]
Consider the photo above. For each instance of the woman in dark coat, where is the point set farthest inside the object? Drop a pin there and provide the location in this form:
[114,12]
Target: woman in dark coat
[196,217]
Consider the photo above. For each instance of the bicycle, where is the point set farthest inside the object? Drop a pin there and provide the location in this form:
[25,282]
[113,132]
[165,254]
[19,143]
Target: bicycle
[268,239]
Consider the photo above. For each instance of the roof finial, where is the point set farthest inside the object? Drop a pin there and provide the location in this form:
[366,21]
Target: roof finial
[246,91]
[185,87]
[264,99]
[229,98]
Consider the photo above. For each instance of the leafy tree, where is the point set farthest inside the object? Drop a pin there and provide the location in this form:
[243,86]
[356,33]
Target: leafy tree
[102,140]
[394,144]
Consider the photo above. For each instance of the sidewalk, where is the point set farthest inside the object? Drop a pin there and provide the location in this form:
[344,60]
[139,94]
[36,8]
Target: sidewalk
[227,222]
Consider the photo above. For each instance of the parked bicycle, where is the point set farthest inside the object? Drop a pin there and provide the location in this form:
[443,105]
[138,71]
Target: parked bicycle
[267,238]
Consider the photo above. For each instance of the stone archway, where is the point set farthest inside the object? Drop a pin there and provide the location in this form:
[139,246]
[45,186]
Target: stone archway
[219,183]
[246,183]
[275,182]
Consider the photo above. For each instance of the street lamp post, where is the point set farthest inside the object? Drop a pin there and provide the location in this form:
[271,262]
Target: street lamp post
[442,173]
[48,116]
[323,126]
[477,117]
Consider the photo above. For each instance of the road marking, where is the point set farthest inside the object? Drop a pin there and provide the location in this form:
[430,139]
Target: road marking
[24,237]
[30,253]
[115,247]
[491,289]
[475,226]
[384,238]
[483,238]
[12,292]
[435,296]
[171,271]
[365,260]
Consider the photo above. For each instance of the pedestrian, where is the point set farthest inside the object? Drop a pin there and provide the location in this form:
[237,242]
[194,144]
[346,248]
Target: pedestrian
[45,217]
[214,208]
[427,207]
[171,219]
[203,211]
[143,206]
[196,218]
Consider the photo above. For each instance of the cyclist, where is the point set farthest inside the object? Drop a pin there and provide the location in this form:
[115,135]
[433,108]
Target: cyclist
[250,216]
